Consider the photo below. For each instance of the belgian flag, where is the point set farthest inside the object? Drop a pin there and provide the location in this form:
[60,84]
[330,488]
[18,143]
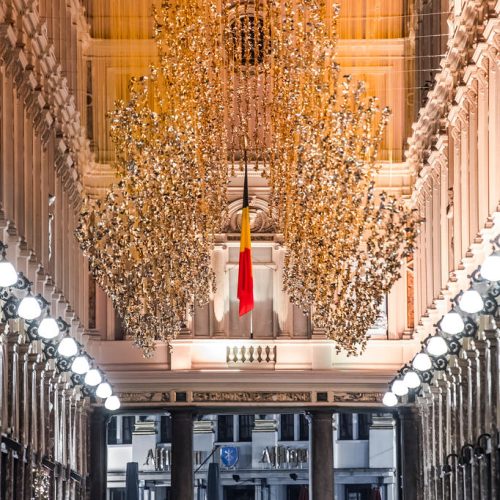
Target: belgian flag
[245,278]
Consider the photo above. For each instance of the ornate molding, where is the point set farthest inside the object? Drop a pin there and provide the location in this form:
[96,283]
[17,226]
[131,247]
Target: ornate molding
[144,397]
[260,217]
[357,397]
[252,397]
[447,84]
[39,80]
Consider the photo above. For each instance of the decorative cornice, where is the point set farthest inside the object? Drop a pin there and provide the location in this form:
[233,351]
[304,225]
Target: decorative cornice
[43,87]
[252,397]
[468,28]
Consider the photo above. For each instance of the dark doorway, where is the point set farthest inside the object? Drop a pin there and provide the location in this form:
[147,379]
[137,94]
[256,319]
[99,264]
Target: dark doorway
[297,492]
[358,492]
[239,492]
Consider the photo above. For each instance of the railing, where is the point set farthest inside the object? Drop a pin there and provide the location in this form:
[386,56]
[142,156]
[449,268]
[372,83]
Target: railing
[255,355]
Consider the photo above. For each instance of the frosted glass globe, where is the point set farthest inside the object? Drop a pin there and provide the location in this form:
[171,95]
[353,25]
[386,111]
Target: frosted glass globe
[422,362]
[390,399]
[93,377]
[103,390]
[67,347]
[399,388]
[490,270]
[80,365]
[437,346]
[411,379]
[112,403]
[8,274]
[452,323]
[471,302]
[48,328]
[29,308]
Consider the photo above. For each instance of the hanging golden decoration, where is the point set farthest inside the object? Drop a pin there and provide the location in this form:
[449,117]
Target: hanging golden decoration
[345,245]
[149,242]
[247,79]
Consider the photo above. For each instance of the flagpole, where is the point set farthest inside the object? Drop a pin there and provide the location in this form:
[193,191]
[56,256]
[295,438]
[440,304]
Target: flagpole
[245,160]
[251,324]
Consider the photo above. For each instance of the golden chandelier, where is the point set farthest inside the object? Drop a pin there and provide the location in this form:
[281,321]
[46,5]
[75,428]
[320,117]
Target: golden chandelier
[247,79]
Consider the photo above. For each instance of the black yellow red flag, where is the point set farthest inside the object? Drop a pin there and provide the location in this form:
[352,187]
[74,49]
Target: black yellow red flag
[245,276]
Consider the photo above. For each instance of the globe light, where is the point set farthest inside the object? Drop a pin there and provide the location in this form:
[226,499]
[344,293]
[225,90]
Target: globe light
[93,377]
[422,362]
[8,274]
[29,308]
[67,347]
[452,323]
[103,390]
[112,403]
[390,399]
[80,365]
[490,270]
[48,328]
[437,346]
[471,302]
[399,388]
[411,379]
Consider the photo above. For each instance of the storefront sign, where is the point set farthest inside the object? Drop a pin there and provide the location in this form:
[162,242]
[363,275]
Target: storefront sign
[229,456]
[284,456]
[160,458]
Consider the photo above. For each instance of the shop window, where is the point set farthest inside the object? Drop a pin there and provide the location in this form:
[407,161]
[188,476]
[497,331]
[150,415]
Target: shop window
[364,422]
[345,426]
[165,429]
[303,428]
[358,492]
[297,492]
[246,423]
[239,492]
[287,426]
[128,424]
[225,428]
[354,426]
[117,494]
[113,431]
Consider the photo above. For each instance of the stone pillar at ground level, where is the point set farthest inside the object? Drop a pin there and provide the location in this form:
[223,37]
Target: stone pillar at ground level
[98,454]
[182,455]
[411,454]
[321,455]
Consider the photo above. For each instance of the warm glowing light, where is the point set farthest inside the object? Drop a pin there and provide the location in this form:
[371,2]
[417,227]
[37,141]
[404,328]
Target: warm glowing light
[67,347]
[399,388]
[452,323]
[471,302]
[48,328]
[390,399]
[437,346]
[8,274]
[103,390]
[422,362]
[93,377]
[490,270]
[80,365]
[112,403]
[29,308]
[411,379]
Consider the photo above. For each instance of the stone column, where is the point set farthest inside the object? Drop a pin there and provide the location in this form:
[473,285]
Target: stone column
[182,454]
[411,448]
[321,455]
[98,453]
